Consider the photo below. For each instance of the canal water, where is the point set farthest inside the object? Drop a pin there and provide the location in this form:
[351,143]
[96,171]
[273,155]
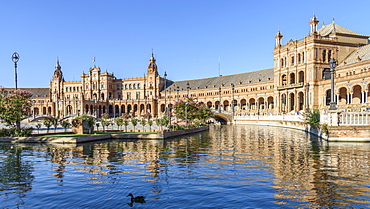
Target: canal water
[233,166]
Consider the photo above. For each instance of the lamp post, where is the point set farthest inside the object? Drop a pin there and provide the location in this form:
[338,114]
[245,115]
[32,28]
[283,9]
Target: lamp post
[232,103]
[187,88]
[307,97]
[15,58]
[186,114]
[219,105]
[178,89]
[333,64]
[165,93]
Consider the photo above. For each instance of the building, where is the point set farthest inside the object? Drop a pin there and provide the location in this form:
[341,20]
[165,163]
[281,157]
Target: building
[299,81]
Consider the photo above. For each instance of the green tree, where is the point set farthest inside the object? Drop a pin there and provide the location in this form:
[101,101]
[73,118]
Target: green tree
[134,122]
[65,124]
[48,124]
[143,122]
[54,122]
[104,121]
[126,122]
[14,105]
[97,126]
[312,118]
[119,122]
[150,123]
[38,126]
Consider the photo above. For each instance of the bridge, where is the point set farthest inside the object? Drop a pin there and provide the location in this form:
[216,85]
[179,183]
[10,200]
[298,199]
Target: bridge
[223,118]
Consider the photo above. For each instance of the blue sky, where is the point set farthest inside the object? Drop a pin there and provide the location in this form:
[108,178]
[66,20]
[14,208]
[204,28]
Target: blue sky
[188,37]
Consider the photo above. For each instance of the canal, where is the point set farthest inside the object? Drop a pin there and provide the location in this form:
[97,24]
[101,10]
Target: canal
[232,166]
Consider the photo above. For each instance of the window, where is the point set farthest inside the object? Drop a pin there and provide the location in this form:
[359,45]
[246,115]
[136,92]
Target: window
[128,95]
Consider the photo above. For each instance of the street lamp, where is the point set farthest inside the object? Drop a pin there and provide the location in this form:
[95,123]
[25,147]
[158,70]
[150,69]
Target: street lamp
[219,105]
[178,89]
[307,97]
[187,87]
[232,103]
[165,93]
[333,64]
[186,114]
[15,58]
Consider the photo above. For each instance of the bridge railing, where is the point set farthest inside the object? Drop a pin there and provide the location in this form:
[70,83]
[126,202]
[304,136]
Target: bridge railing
[346,118]
[271,117]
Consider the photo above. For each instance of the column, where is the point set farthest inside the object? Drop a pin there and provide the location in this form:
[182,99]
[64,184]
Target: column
[337,99]
[347,99]
[366,96]
[362,96]
[351,97]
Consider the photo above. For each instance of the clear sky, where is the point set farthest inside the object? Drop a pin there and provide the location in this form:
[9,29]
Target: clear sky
[188,37]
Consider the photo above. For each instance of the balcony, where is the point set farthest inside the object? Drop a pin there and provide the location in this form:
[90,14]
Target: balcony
[290,86]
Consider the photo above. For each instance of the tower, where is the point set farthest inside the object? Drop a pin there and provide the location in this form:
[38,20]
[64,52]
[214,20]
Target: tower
[313,24]
[278,39]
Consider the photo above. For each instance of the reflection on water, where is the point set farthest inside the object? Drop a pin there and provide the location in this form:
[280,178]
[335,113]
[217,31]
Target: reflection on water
[241,166]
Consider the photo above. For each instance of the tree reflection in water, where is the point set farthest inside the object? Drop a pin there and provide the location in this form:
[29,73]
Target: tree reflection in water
[15,172]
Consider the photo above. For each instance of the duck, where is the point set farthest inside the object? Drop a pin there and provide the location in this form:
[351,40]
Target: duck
[139,199]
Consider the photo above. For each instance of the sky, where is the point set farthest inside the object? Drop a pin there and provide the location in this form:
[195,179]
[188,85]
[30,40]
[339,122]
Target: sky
[191,39]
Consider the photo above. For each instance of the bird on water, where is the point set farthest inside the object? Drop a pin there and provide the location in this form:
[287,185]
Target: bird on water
[139,199]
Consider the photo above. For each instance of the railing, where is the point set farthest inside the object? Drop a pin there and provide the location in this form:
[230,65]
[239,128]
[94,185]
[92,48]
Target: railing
[278,117]
[346,119]
[290,86]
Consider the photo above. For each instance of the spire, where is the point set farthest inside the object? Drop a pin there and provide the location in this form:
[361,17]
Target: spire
[152,65]
[278,38]
[313,23]
[58,70]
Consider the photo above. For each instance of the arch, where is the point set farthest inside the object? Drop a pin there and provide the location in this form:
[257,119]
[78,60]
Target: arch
[284,80]
[35,111]
[142,109]
[149,108]
[301,77]
[99,111]
[116,107]
[243,104]
[292,78]
[110,96]
[300,101]
[209,104]
[357,94]
[135,108]
[110,110]
[270,102]
[86,109]
[44,110]
[261,103]
[226,105]
[92,110]
[328,97]
[342,95]
[69,110]
[102,96]
[162,108]
[252,104]
[217,105]
[123,110]
[326,74]
[49,110]
[283,102]
[104,109]
[291,101]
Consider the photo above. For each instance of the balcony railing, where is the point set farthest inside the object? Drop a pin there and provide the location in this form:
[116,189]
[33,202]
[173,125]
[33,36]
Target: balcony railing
[294,85]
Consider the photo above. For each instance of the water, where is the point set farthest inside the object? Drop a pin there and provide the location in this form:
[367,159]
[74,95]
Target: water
[238,166]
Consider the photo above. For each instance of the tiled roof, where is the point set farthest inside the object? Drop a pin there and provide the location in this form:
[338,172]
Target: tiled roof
[361,54]
[215,82]
[38,92]
[334,28]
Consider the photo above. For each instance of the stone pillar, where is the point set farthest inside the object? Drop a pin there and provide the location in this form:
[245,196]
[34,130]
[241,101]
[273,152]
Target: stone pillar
[351,97]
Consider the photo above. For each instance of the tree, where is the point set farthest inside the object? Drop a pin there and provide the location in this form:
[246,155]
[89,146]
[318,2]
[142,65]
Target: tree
[143,122]
[119,122]
[38,126]
[191,109]
[48,124]
[126,122]
[104,121]
[97,126]
[65,124]
[54,122]
[134,122]
[150,123]
[14,105]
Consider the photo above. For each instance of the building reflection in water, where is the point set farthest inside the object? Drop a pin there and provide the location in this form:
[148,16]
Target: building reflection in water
[300,167]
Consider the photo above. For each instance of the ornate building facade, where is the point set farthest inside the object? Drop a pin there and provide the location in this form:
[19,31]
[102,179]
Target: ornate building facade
[299,81]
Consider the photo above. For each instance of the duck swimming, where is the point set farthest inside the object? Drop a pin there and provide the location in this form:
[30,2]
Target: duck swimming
[139,199]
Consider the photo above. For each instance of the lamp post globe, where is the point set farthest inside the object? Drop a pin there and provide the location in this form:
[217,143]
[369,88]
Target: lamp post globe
[15,59]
